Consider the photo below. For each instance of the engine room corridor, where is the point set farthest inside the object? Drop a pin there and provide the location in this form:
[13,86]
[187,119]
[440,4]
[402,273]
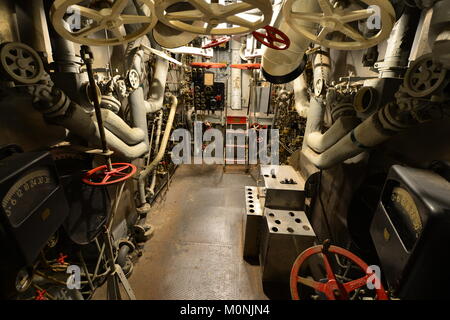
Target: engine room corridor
[195,252]
[216,158]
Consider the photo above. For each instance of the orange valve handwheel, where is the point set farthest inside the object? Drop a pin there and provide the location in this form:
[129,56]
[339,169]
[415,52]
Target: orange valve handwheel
[333,288]
[100,176]
[273,38]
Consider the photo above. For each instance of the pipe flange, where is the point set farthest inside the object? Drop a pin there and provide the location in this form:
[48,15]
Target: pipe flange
[288,77]
[59,108]
[111,103]
[144,209]
[20,63]
[86,89]
[365,99]
[424,77]
[128,243]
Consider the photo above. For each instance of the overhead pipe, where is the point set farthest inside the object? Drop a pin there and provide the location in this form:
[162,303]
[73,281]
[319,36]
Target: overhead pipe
[399,45]
[282,66]
[162,149]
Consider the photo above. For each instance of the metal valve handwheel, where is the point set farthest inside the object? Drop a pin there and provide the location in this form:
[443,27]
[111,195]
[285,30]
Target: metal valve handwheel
[216,42]
[20,63]
[332,20]
[215,16]
[424,77]
[333,288]
[101,26]
[273,38]
[100,176]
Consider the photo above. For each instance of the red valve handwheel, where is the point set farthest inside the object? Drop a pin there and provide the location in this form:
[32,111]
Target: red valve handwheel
[100,176]
[333,289]
[216,42]
[208,65]
[271,37]
[246,66]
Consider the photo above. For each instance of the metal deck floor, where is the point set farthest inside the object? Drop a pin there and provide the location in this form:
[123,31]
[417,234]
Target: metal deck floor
[196,249]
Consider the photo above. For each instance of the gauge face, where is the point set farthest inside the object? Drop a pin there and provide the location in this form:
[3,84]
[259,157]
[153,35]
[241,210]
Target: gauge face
[405,216]
[26,194]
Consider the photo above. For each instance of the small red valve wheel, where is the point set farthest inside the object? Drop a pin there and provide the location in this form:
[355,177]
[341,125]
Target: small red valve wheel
[333,288]
[246,66]
[208,65]
[100,176]
[62,258]
[40,295]
[216,42]
[272,37]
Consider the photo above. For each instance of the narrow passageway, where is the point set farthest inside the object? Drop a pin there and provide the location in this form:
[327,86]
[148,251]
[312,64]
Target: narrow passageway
[196,249]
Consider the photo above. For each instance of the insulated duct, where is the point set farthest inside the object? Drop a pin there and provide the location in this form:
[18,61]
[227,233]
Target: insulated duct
[301,96]
[157,86]
[319,141]
[375,130]
[58,109]
[282,66]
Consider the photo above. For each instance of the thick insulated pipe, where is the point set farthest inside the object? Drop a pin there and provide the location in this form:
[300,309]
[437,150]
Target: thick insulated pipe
[301,96]
[81,123]
[138,112]
[282,66]
[120,128]
[399,45]
[316,111]
[375,130]
[321,142]
[162,149]
[157,86]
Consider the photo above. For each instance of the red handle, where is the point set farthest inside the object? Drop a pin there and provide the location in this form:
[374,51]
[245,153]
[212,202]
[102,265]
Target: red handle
[271,37]
[246,66]
[208,65]
[333,289]
[100,176]
[216,42]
